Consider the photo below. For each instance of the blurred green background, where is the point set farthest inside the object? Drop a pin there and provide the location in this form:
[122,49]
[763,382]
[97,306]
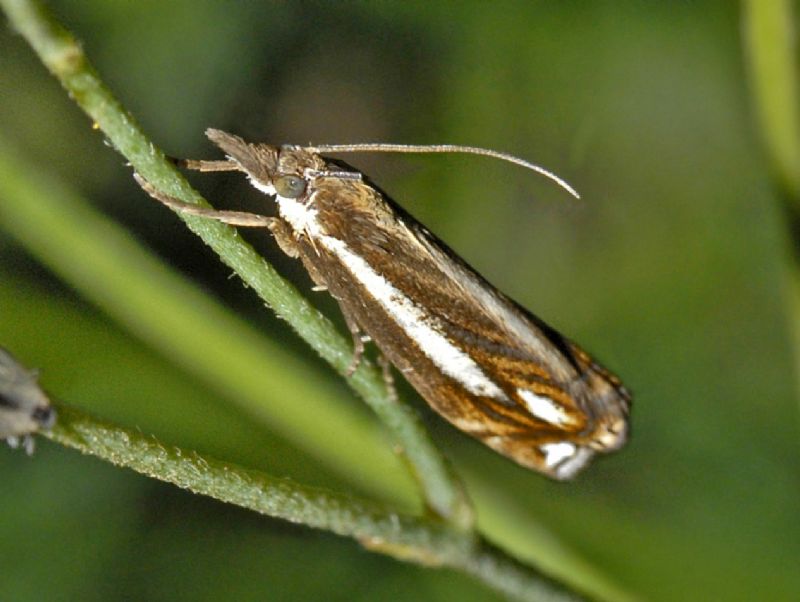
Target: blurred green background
[671,269]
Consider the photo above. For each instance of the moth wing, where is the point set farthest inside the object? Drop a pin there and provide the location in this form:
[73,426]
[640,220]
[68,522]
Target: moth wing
[565,407]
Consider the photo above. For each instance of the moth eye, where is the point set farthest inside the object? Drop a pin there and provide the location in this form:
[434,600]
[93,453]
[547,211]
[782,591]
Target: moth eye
[290,187]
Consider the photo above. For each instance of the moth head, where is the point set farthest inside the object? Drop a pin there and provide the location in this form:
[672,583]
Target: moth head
[259,161]
[296,168]
[284,171]
[289,186]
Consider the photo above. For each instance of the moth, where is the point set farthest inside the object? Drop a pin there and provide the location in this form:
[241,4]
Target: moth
[482,361]
[24,407]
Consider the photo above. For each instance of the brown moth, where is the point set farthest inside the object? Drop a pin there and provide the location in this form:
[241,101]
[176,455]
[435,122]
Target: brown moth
[483,362]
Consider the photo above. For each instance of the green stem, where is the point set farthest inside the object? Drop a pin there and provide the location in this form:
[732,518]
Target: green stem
[770,49]
[175,316]
[64,57]
[377,527]
[771,53]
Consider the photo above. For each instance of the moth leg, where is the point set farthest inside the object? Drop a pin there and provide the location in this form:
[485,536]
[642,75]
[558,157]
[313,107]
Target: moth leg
[388,377]
[201,165]
[284,236]
[322,284]
[358,342]
[234,218]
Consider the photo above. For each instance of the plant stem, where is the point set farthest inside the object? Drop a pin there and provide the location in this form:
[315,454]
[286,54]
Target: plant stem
[63,56]
[771,51]
[189,327]
[377,527]
[770,48]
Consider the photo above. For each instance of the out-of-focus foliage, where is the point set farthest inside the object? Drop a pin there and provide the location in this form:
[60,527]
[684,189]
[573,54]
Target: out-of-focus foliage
[670,270]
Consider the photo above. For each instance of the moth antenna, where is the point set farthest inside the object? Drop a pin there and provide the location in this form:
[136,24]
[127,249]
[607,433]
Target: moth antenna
[381,147]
